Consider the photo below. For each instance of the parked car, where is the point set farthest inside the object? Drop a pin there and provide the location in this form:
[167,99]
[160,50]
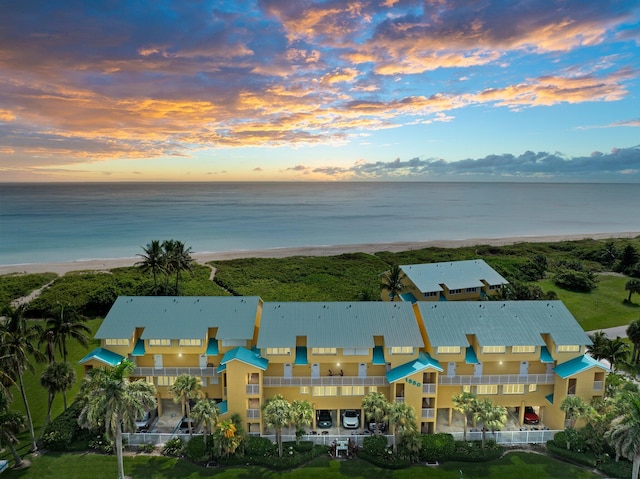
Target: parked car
[530,416]
[183,428]
[351,419]
[144,423]
[324,419]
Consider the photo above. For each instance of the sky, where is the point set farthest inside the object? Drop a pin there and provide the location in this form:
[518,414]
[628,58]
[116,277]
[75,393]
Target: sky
[268,90]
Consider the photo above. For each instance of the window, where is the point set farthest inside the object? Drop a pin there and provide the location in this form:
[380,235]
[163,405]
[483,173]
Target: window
[325,390]
[352,391]
[448,349]
[149,379]
[355,351]
[513,389]
[190,342]
[373,389]
[495,286]
[278,351]
[159,342]
[487,389]
[304,389]
[323,350]
[166,380]
[116,342]
[471,290]
[523,349]
[455,291]
[466,388]
[402,350]
[533,388]
[568,348]
[493,349]
[429,294]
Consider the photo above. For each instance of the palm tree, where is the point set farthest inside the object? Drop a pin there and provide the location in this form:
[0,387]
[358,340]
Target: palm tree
[616,351]
[58,377]
[113,402]
[493,417]
[184,389]
[466,403]
[375,407]
[153,260]
[177,259]
[574,408]
[624,434]
[66,324]
[277,413]
[301,415]
[11,424]
[226,439]
[598,350]
[633,333]
[403,418]
[392,281]
[206,411]
[17,347]
[633,286]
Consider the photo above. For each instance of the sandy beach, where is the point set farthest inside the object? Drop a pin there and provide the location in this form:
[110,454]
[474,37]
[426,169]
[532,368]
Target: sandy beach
[106,264]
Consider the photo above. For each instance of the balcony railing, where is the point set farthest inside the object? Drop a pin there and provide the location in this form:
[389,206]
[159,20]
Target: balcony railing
[428,413]
[399,399]
[598,385]
[278,381]
[498,379]
[253,389]
[200,372]
[253,413]
[428,389]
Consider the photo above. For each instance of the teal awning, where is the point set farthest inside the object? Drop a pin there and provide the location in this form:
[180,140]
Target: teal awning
[104,356]
[409,297]
[301,356]
[470,356]
[545,355]
[223,407]
[139,349]
[246,356]
[577,365]
[424,361]
[212,347]
[221,368]
[549,398]
[378,356]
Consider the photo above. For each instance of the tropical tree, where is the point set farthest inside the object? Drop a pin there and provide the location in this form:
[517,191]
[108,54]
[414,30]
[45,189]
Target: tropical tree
[58,377]
[624,434]
[403,418]
[17,347]
[633,333]
[375,407]
[227,440]
[466,403]
[177,259]
[574,408]
[277,413]
[301,415]
[633,286]
[113,402]
[600,347]
[11,424]
[153,261]
[206,412]
[184,389]
[65,324]
[616,351]
[392,281]
[492,416]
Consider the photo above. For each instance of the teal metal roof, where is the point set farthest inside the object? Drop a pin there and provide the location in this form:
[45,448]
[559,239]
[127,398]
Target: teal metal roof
[103,355]
[301,356]
[338,324]
[549,398]
[246,356]
[423,362]
[139,348]
[181,317]
[470,356]
[577,365]
[378,356]
[212,347]
[545,355]
[500,323]
[223,407]
[409,297]
[454,274]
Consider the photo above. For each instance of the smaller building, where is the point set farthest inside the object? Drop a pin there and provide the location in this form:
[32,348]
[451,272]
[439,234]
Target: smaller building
[450,281]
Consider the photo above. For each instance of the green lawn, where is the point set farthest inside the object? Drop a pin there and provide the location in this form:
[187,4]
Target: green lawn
[80,466]
[601,308]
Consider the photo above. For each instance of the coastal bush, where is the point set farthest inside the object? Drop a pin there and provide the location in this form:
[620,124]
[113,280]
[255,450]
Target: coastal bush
[560,451]
[173,447]
[437,447]
[575,280]
[611,468]
[14,286]
[64,430]
[472,451]
[195,450]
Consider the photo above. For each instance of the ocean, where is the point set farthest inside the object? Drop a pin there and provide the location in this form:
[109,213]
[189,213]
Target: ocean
[53,222]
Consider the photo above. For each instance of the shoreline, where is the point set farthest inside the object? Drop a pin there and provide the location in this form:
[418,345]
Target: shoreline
[62,268]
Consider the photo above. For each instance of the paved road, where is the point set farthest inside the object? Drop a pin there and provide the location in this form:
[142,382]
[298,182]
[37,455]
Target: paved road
[613,333]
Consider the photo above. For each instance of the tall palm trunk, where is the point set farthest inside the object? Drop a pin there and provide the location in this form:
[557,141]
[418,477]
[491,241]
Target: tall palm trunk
[16,457]
[47,419]
[34,445]
[119,453]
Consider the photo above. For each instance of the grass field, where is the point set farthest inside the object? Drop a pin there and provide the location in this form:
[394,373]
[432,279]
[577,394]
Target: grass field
[81,466]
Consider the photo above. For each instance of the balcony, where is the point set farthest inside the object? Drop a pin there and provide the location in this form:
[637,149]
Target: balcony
[253,389]
[253,413]
[598,385]
[428,389]
[200,372]
[498,379]
[428,413]
[279,381]
[399,399]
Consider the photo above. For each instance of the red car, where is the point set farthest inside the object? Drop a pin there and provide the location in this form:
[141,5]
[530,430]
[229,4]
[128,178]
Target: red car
[530,416]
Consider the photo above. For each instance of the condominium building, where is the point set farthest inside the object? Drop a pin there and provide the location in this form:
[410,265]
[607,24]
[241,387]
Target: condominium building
[518,353]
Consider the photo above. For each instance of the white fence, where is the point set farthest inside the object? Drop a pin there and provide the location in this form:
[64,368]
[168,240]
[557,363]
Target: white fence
[510,437]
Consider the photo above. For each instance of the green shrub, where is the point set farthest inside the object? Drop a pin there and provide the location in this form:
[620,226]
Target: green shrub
[147,448]
[612,468]
[195,449]
[374,445]
[63,430]
[14,286]
[437,447]
[473,452]
[572,280]
[173,447]
[259,447]
[560,451]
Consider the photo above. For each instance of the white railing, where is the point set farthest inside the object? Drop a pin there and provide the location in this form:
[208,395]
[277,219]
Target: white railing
[399,399]
[253,413]
[598,385]
[428,388]
[510,437]
[201,372]
[253,389]
[327,439]
[499,379]
[279,381]
[428,413]
[138,438]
